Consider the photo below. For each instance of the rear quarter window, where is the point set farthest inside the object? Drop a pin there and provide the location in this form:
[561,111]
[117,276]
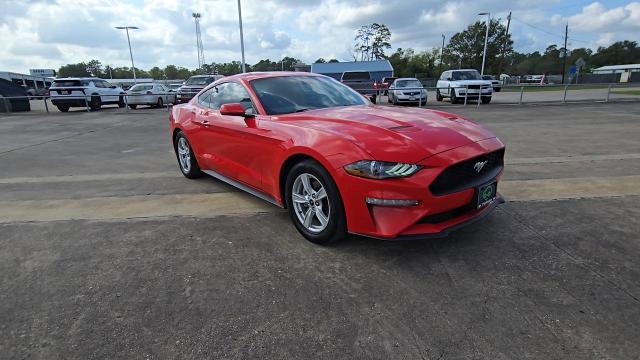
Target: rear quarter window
[356,75]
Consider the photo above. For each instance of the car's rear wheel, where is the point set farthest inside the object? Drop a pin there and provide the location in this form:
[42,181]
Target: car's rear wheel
[63,108]
[486,99]
[186,158]
[133,106]
[314,203]
[121,102]
[438,96]
[159,103]
[96,102]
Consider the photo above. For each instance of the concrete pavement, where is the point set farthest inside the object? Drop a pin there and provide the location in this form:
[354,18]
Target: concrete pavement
[106,251]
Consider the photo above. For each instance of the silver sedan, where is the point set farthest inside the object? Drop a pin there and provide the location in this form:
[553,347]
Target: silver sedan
[150,94]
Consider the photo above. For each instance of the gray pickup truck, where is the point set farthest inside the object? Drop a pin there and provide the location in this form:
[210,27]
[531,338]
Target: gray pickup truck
[361,82]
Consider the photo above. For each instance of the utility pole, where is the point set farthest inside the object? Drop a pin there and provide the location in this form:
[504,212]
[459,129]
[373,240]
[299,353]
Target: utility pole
[441,53]
[486,38]
[564,60]
[504,45]
[244,67]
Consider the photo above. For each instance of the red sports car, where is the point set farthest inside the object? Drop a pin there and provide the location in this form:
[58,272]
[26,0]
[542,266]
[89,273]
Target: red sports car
[338,163]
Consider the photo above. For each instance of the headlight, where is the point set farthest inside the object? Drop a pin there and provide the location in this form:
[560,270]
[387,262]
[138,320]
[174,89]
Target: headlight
[373,169]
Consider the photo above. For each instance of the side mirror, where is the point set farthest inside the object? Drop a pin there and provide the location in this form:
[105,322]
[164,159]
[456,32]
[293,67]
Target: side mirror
[112,86]
[234,109]
[449,79]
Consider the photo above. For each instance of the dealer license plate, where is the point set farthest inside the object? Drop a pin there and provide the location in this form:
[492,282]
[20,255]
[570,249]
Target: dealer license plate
[486,194]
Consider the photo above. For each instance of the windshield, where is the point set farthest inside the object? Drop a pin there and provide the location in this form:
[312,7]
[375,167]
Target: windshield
[199,80]
[288,94]
[356,75]
[141,87]
[487,77]
[408,84]
[466,75]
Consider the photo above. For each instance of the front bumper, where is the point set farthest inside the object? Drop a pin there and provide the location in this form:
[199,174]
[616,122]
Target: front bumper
[474,93]
[407,222]
[185,97]
[410,98]
[142,99]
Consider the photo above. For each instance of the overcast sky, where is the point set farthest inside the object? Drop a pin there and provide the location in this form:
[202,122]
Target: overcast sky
[47,34]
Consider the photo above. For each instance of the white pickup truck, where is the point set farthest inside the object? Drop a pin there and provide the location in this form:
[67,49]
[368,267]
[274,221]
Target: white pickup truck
[458,84]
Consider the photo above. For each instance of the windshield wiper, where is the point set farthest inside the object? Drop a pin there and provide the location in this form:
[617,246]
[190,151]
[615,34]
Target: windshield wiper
[304,109]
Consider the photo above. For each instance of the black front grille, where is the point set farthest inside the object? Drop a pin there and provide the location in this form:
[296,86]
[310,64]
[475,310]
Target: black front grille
[473,86]
[464,175]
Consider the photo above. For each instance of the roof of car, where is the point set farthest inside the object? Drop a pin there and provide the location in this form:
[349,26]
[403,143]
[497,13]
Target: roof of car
[77,78]
[407,78]
[266,74]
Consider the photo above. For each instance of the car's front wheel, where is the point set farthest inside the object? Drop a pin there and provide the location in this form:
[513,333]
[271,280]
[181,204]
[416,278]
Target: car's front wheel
[486,99]
[186,158]
[314,203]
[438,95]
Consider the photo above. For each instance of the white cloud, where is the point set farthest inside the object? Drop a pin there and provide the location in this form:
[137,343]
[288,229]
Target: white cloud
[52,33]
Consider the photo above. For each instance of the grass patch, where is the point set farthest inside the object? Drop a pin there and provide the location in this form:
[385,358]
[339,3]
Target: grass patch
[627,91]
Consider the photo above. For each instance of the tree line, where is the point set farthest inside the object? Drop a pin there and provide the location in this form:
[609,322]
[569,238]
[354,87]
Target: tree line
[464,50]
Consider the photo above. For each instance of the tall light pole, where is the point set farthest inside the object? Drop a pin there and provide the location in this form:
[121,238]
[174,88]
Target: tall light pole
[486,38]
[244,69]
[126,28]
[196,17]
[441,53]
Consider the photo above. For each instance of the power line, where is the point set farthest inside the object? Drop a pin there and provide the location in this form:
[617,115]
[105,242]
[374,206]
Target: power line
[538,28]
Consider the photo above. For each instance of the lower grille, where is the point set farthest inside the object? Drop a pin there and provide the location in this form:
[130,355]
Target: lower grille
[468,174]
[447,215]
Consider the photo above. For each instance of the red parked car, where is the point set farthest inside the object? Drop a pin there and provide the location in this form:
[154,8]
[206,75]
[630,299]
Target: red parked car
[338,163]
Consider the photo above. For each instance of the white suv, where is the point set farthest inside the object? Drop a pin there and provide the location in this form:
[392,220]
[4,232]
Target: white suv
[458,84]
[80,92]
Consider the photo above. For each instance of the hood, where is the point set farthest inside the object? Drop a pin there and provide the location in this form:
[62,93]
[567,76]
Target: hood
[394,133]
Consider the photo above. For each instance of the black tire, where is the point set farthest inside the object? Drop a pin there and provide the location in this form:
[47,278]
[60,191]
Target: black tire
[121,102]
[336,228]
[438,95]
[133,106]
[372,98]
[497,89]
[194,169]
[95,103]
[159,103]
[63,108]
[486,99]
[453,97]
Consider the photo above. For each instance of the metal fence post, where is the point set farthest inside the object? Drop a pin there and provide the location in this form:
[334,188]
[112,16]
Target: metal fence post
[86,103]
[46,107]
[564,98]
[126,103]
[608,93]
[466,93]
[521,93]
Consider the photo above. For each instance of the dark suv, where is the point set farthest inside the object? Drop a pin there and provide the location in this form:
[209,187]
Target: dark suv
[193,86]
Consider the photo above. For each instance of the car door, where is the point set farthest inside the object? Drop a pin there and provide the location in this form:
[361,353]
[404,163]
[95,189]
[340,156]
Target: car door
[235,144]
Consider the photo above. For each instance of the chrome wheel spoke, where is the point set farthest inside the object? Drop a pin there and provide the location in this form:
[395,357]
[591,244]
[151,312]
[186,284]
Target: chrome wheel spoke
[321,194]
[306,184]
[321,216]
[308,218]
[297,198]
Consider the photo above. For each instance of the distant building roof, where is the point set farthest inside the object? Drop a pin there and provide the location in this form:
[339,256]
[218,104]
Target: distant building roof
[339,67]
[618,67]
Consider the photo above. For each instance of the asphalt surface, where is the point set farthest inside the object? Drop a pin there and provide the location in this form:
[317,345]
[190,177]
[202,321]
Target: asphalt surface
[106,251]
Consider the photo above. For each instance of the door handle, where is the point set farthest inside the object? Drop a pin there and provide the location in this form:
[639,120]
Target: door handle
[205,123]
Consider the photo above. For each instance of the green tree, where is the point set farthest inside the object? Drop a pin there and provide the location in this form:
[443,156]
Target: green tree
[371,41]
[94,67]
[408,63]
[73,70]
[288,63]
[466,47]
[320,61]
[156,73]
[618,53]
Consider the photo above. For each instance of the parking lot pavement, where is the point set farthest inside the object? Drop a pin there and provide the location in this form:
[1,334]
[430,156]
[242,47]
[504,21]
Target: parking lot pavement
[106,251]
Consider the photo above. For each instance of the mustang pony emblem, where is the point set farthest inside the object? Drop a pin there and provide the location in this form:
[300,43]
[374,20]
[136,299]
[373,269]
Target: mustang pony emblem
[479,165]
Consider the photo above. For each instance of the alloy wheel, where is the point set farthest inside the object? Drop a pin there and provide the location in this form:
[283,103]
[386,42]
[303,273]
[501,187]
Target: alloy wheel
[184,155]
[310,202]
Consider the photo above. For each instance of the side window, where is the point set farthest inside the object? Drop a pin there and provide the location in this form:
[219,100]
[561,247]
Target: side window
[232,92]
[205,98]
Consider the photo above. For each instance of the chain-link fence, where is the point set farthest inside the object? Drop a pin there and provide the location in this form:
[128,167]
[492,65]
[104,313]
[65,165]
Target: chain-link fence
[422,97]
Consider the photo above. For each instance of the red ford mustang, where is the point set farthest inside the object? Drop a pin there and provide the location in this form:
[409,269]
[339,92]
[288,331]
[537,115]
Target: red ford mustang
[338,163]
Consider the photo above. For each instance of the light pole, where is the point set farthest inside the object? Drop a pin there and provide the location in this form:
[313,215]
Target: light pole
[244,69]
[441,53]
[486,38]
[126,28]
